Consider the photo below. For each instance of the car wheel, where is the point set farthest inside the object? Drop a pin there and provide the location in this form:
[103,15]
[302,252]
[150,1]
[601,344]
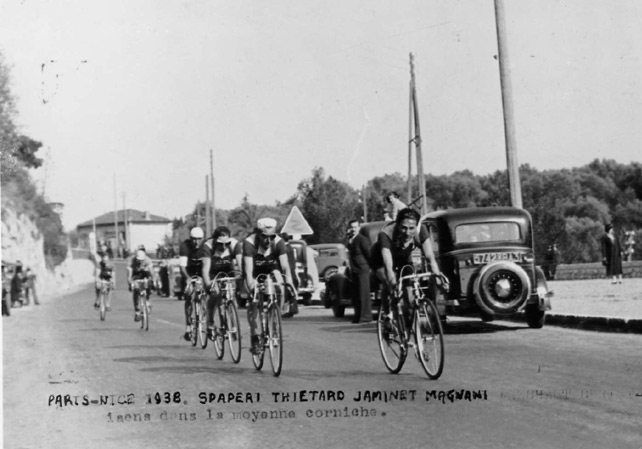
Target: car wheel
[332,297]
[307,299]
[502,288]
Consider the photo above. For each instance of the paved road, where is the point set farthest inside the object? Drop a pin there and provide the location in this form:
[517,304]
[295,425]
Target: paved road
[549,388]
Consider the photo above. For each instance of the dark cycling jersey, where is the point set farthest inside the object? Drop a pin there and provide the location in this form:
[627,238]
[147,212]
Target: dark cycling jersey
[192,252]
[106,270]
[401,252]
[141,268]
[221,261]
[265,260]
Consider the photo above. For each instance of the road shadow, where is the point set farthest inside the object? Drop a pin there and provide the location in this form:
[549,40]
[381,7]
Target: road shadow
[477,327]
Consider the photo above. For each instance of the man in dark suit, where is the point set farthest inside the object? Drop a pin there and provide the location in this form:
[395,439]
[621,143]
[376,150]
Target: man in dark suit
[359,251]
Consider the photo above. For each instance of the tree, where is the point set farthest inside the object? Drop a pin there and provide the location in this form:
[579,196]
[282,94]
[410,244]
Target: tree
[328,205]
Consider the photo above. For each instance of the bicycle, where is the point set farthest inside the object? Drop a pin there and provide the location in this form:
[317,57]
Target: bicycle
[269,311]
[143,306]
[199,312]
[105,289]
[413,322]
[226,319]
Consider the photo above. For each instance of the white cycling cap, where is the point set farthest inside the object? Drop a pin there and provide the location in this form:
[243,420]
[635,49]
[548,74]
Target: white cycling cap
[267,225]
[196,233]
[140,254]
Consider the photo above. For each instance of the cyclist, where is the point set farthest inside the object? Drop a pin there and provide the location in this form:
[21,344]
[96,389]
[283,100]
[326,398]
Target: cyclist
[393,249]
[104,272]
[220,254]
[264,252]
[140,267]
[190,264]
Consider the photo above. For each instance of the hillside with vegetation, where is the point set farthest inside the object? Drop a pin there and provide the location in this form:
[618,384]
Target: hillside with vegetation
[22,204]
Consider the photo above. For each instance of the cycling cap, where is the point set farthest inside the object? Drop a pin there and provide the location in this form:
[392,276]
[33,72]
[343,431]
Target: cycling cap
[196,233]
[140,254]
[267,226]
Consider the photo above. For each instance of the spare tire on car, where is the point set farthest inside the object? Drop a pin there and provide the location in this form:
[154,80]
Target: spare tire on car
[501,288]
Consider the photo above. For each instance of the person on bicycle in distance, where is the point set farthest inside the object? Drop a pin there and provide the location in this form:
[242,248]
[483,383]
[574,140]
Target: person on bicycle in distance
[104,272]
[393,249]
[220,254]
[189,261]
[264,252]
[140,267]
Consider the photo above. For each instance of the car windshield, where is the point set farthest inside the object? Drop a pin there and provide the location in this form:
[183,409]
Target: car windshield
[487,232]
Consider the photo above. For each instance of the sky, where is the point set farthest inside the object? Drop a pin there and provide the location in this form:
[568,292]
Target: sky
[128,97]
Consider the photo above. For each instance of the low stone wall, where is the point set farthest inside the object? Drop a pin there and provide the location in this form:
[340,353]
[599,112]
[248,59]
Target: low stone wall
[596,271]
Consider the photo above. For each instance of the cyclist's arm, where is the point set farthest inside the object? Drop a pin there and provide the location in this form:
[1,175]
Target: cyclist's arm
[182,263]
[285,267]
[426,246]
[391,278]
[205,273]
[130,274]
[248,265]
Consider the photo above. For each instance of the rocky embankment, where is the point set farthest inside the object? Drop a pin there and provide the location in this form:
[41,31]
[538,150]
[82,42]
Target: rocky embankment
[21,241]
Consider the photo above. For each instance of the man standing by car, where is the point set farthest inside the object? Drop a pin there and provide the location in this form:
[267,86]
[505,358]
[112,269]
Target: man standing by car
[359,252]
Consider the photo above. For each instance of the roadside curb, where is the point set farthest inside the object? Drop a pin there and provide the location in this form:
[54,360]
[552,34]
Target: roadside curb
[592,323]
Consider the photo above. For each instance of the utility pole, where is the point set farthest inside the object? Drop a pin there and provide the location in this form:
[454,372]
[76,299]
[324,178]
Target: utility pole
[507,103]
[116,215]
[410,141]
[417,139]
[126,231]
[208,216]
[364,198]
[212,178]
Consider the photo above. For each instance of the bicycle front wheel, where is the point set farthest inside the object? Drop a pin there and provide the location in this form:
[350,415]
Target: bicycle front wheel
[144,313]
[391,341]
[429,337]
[103,308]
[219,332]
[233,331]
[202,323]
[275,339]
[196,323]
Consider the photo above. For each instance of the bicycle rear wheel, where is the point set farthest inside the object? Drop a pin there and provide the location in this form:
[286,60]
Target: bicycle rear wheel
[429,338]
[202,322]
[219,332]
[233,331]
[391,341]
[275,339]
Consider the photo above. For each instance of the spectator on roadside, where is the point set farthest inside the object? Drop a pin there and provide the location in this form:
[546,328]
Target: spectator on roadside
[394,206]
[612,254]
[17,286]
[359,253]
[553,259]
[6,287]
[29,282]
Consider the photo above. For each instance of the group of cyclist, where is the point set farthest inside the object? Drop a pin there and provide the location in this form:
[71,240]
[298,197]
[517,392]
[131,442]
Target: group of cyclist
[265,252]
[262,252]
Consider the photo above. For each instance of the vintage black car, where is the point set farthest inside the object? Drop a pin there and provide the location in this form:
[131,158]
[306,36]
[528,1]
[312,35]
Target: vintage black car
[488,256]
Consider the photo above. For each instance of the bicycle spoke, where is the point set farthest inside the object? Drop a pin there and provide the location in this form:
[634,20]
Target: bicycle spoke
[219,332]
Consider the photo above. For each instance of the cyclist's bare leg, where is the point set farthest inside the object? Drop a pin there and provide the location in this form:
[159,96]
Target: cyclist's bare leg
[385,294]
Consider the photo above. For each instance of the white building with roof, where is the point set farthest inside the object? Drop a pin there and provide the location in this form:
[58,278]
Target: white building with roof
[134,228]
